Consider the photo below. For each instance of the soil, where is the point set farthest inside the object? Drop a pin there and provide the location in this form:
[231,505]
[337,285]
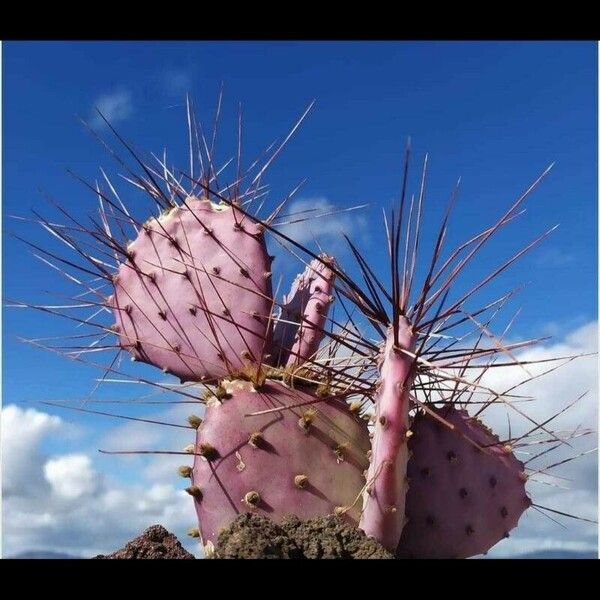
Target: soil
[154,542]
[255,536]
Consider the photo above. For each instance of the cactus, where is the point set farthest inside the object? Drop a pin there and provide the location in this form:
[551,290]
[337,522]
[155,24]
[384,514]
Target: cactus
[277,451]
[191,295]
[383,510]
[298,331]
[420,362]
[177,297]
[467,488]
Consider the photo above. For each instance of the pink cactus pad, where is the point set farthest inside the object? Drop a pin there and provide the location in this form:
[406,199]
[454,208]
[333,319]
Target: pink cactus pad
[305,461]
[303,316]
[462,500]
[193,298]
[383,513]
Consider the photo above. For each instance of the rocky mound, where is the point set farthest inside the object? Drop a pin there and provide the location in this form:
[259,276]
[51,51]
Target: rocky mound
[255,536]
[154,542]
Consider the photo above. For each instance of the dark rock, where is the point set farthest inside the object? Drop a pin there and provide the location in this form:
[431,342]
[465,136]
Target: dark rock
[255,536]
[154,542]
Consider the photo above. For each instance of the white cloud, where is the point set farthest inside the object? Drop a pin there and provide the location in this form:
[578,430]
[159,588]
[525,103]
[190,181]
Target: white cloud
[71,476]
[136,435]
[22,433]
[116,106]
[553,392]
[71,506]
[327,230]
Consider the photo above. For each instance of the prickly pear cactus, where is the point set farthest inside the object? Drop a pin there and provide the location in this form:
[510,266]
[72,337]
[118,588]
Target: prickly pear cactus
[305,458]
[467,490]
[298,332]
[384,497]
[193,296]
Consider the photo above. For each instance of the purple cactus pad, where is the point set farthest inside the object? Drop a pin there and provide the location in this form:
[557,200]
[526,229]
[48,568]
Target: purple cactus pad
[194,296]
[467,489]
[305,461]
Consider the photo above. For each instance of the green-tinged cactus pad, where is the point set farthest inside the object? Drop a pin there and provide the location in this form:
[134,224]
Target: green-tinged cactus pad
[467,490]
[304,460]
[193,296]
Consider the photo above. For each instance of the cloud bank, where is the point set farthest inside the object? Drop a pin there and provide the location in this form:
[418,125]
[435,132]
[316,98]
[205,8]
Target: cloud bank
[64,503]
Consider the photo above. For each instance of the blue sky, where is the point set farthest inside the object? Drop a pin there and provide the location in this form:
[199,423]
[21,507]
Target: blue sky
[494,113]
